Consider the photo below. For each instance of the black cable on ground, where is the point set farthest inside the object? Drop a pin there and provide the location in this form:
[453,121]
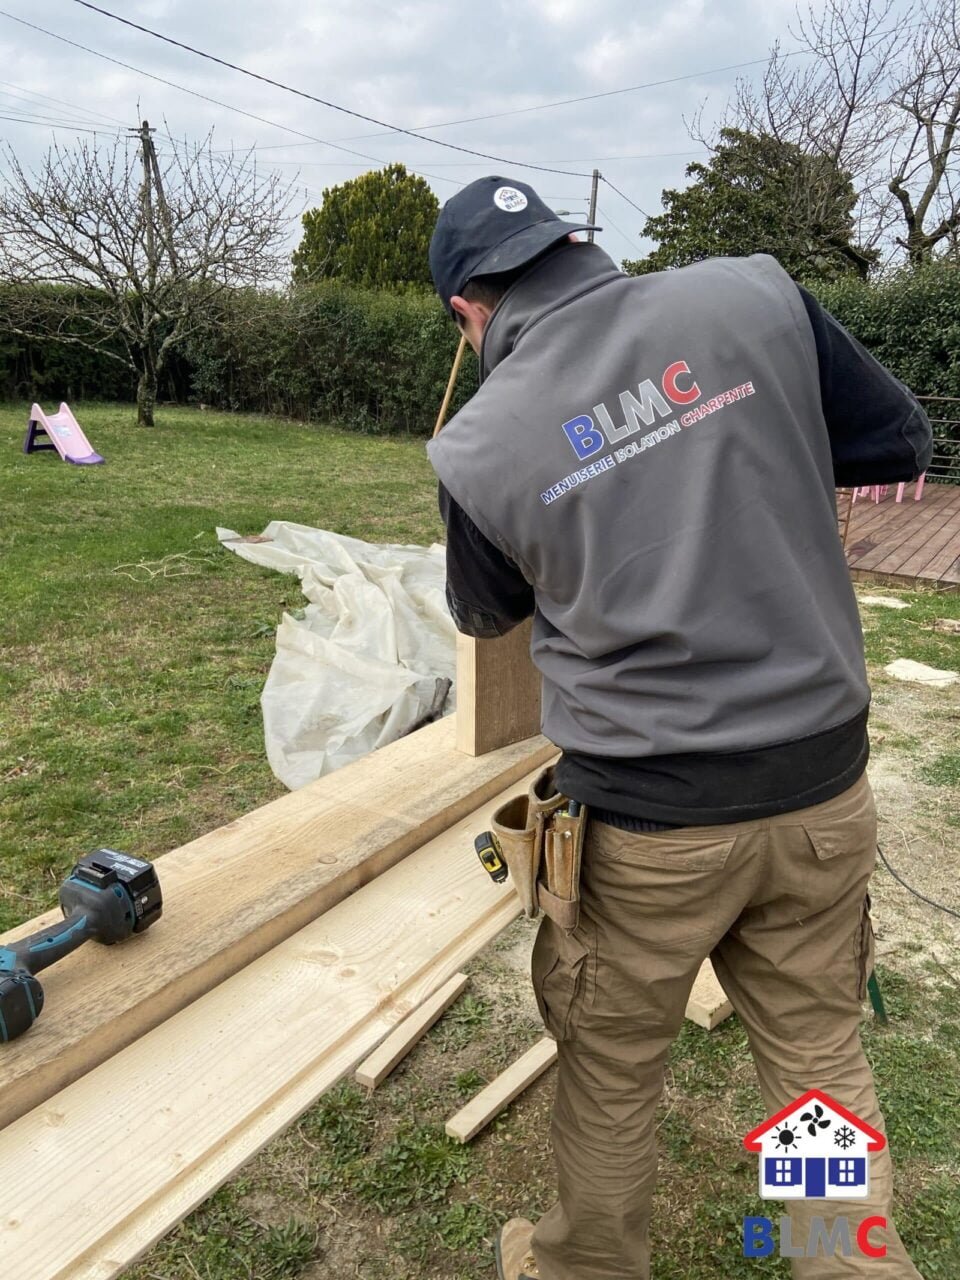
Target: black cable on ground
[900,880]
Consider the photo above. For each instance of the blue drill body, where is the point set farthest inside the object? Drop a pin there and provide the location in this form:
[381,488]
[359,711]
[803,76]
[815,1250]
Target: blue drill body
[107,897]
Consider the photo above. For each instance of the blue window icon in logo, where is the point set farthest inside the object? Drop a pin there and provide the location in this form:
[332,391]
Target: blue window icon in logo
[847,1171]
[780,1171]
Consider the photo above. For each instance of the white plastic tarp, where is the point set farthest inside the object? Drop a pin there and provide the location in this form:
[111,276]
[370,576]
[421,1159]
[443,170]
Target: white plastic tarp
[360,667]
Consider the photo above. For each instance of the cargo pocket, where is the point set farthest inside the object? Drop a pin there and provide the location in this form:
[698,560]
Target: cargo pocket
[844,827]
[865,949]
[559,969]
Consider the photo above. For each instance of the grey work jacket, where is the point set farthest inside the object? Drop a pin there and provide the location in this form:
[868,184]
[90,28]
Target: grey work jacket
[652,453]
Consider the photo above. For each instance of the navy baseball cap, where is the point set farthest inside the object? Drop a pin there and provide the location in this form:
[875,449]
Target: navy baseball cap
[492,225]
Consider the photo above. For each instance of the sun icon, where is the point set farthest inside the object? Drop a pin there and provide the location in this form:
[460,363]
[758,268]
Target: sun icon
[786,1137]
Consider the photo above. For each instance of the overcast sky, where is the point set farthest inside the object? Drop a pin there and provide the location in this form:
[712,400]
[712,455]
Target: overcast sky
[419,63]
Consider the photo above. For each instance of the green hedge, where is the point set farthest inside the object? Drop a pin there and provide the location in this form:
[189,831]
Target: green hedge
[49,371]
[379,362]
[376,362]
[53,371]
[909,321]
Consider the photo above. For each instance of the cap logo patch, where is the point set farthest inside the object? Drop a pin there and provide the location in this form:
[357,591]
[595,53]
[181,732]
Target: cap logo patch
[509,199]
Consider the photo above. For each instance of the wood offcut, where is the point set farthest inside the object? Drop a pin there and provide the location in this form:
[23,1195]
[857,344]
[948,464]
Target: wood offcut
[499,1093]
[375,1069]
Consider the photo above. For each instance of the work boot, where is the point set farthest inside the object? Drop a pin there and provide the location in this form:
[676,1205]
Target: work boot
[515,1261]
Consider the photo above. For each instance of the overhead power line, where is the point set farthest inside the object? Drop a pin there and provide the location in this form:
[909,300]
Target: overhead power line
[630,202]
[476,164]
[323,102]
[417,130]
[611,93]
[37,113]
[10,90]
[592,97]
[605,217]
[195,93]
[54,124]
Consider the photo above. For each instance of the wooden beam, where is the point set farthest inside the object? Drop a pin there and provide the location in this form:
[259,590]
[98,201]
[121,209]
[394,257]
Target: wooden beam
[498,691]
[708,1004]
[399,1042]
[499,1093]
[233,894]
[99,1172]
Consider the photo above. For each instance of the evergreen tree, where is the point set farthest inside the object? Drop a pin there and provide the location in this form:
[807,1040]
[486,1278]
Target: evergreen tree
[759,195]
[372,231]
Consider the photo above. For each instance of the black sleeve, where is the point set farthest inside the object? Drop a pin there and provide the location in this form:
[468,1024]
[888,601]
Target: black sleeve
[486,592]
[878,432]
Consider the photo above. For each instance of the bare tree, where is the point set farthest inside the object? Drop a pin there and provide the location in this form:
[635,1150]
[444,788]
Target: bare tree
[141,241]
[924,171]
[879,97]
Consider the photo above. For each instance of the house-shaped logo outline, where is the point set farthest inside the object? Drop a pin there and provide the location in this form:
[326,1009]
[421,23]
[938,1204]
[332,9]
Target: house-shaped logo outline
[813,1183]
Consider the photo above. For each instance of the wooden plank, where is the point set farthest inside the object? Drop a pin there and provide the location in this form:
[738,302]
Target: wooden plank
[708,1004]
[99,1172]
[499,1093]
[498,691]
[935,540]
[943,559]
[375,1069]
[233,894]
[898,520]
[865,509]
[943,566]
[893,532]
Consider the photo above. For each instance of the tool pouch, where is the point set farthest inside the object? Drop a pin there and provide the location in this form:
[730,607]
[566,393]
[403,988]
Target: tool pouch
[542,846]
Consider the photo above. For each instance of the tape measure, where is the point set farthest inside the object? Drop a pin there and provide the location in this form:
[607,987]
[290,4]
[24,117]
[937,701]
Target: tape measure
[491,858]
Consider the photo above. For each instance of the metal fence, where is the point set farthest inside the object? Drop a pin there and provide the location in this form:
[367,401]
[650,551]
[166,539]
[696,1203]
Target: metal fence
[945,464]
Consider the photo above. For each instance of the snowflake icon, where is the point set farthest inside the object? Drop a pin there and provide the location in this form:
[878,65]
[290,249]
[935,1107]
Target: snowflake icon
[845,1137]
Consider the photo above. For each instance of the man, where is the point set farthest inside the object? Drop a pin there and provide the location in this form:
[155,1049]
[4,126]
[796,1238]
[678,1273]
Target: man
[649,467]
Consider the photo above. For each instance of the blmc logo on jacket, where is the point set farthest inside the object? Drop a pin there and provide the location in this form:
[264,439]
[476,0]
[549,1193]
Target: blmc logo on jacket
[638,411]
[814,1149]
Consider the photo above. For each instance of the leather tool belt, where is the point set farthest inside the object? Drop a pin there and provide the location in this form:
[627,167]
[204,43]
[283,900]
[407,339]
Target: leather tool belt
[542,844]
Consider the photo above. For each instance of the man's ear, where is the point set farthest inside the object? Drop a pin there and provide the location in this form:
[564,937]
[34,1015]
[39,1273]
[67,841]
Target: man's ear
[472,318]
[476,312]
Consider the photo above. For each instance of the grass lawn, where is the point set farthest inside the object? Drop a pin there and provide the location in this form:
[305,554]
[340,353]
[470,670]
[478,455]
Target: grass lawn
[132,654]
[130,695]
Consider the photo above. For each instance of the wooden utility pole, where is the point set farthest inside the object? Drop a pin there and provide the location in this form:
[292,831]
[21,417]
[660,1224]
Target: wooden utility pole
[152,181]
[592,215]
[146,200]
[164,207]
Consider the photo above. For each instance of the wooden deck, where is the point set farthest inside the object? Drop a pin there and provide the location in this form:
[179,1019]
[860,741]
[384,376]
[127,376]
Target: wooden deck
[909,543]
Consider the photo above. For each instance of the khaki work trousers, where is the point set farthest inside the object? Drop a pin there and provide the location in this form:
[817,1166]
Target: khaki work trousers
[779,905]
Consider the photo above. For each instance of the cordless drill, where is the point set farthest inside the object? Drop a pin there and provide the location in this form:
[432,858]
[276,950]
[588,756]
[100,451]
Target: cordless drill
[107,897]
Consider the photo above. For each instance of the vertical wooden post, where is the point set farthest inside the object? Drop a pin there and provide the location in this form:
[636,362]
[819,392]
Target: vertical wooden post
[498,691]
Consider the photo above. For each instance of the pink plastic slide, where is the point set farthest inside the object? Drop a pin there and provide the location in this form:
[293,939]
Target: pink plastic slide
[64,433]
